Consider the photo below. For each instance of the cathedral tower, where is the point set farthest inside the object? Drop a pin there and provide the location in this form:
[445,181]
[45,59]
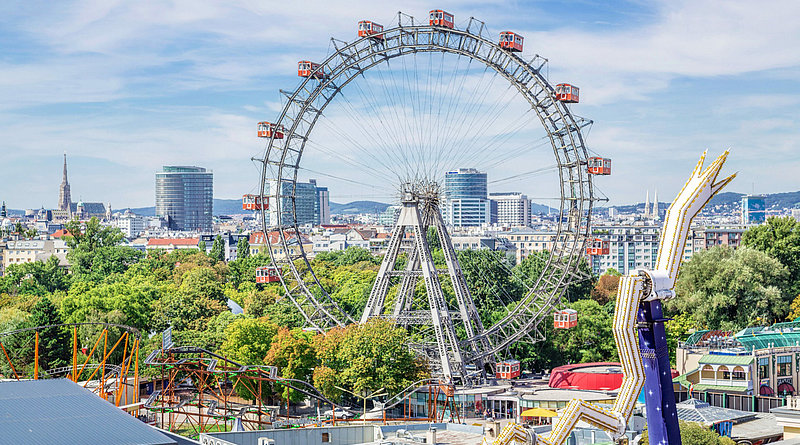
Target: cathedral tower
[64,198]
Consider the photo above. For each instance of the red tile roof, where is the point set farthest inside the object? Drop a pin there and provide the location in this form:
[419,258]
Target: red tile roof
[173,241]
[60,233]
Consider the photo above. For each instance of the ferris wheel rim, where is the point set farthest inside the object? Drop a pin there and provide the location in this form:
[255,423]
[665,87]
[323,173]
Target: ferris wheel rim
[572,167]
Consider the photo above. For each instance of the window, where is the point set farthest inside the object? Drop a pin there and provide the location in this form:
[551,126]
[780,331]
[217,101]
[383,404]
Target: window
[326,437]
[763,368]
[784,365]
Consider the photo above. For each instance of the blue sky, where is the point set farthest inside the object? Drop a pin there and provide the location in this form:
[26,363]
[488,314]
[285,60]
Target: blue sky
[126,87]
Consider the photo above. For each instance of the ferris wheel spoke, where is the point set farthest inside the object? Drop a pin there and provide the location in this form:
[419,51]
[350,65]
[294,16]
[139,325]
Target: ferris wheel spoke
[415,109]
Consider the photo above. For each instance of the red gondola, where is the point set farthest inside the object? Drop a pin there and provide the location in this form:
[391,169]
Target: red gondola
[507,369]
[565,319]
[442,18]
[265,130]
[254,202]
[267,274]
[310,69]
[597,246]
[599,166]
[511,41]
[567,93]
[370,29]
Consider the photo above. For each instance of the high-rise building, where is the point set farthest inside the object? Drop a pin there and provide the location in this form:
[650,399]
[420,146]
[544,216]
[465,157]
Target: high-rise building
[510,209]
[754,209]
[185,197]
[322,206]
[306,203]
[465,198]
[64,198]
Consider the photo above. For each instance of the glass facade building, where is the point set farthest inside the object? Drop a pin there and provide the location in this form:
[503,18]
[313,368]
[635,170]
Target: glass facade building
[754,209]
[185,197]
[306,201]
[465,198]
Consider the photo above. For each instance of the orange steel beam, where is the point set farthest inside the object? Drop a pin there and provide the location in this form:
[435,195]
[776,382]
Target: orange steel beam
[74,353]
[36,359]
[9,360]
[89,356]
[136,378]
[122,377]
[122,372]
[103,362]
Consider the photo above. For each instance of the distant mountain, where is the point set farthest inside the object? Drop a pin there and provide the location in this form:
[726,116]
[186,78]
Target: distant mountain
[356,207]
[221,207]
[234,207]
[774,201]
[541,208]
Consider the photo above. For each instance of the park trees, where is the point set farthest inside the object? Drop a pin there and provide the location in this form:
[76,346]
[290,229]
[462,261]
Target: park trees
[292,352]
[217,249]
[780,239]
[54,346]
[365,358]
[591,340]
[696,434]
[731,289]
[94,250]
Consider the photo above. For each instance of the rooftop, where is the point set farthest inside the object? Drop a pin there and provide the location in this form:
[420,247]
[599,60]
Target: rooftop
[59,411]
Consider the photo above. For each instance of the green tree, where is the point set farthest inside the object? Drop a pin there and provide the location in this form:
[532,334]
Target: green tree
[183,311]
[488,277]
[348,257]
[37,278]
[201,246]
[696,434]
[365,358]
[94,250]
[202,282]
[248,340]
[292,351]
[218,249]
[54,344]
[242,248]
[731,289]
[591,340]
[125,302]
[780,239]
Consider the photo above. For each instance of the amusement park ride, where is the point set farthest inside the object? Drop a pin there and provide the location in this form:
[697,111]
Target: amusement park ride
[450,335]
[638,306]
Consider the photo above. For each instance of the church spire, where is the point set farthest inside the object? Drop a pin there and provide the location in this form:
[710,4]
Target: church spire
[64,197]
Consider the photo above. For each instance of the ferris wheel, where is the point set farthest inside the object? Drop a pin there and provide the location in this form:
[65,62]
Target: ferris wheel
[387,115]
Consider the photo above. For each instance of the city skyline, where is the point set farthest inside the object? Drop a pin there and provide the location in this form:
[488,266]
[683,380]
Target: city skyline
[127,88]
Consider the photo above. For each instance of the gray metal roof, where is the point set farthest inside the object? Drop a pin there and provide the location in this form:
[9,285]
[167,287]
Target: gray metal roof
[693,410]
[57,411]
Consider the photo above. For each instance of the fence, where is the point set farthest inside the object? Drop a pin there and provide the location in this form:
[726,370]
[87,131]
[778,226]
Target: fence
[759,404]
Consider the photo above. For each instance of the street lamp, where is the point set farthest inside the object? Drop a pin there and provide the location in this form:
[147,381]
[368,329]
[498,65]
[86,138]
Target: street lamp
[364,398]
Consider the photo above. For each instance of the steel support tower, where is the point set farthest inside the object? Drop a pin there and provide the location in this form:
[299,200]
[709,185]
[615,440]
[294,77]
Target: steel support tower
[419,212]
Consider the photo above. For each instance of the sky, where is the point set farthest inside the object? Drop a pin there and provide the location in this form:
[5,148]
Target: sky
[125,87]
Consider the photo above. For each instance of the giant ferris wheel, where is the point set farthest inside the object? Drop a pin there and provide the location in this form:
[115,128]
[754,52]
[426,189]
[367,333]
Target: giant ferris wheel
[387,114]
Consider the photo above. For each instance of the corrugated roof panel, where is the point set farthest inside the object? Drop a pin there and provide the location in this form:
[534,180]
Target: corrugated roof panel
[59,411]
[716,359]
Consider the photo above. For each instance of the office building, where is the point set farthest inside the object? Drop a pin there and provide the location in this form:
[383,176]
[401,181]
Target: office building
[322,205]
[306,203]
[465,198]
[185,197]
[754,209]
[510,209]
